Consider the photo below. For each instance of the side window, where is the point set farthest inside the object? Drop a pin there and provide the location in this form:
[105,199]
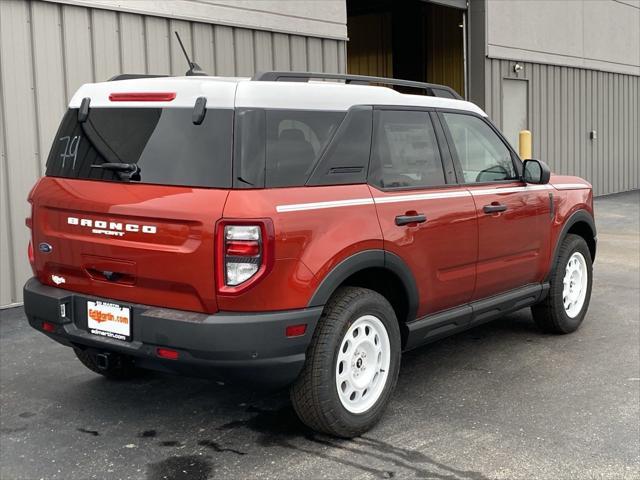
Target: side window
[295,140]
[346,159]
[483,155]
[405,151]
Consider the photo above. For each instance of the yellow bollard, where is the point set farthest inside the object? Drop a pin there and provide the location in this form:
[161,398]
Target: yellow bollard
[524,142]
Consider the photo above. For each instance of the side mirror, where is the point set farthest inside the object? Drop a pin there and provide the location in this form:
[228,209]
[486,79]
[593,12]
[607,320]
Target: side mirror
[536,171]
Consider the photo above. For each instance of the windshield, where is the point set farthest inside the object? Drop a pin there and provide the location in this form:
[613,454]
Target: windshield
[162,146]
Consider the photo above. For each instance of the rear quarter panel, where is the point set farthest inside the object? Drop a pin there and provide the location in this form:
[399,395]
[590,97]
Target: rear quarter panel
[310,240]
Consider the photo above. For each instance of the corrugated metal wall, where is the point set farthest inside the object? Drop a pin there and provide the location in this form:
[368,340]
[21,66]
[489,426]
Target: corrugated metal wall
[564,105]
[48,50]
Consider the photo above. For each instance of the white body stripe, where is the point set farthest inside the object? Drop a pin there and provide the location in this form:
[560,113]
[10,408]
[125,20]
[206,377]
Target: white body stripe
[421,196]
[571,186]
[496,191]
[406,198]
[297,207]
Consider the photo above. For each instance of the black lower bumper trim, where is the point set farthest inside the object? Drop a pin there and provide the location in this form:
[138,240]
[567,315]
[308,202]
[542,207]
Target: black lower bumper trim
[251,346]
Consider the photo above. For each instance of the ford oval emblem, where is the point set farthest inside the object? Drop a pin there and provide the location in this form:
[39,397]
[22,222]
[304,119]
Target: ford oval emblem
[45,247]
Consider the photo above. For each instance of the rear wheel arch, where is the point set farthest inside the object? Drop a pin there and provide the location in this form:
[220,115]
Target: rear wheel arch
[377,270]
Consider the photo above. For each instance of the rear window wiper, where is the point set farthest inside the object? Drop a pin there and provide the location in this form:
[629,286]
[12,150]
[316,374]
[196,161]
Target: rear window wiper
[131,169]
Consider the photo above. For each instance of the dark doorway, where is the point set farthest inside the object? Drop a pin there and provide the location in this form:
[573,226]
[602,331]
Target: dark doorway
[411,39]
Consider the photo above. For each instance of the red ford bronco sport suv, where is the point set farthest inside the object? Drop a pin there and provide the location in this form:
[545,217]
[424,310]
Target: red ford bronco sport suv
[286,231]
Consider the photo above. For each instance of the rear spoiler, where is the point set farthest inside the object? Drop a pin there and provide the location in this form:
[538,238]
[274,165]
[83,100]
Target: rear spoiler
[133,76]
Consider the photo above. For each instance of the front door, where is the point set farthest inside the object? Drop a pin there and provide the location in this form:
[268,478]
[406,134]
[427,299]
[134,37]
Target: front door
[513,218]
[425,220]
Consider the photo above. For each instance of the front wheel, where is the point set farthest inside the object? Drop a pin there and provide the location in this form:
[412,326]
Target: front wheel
[352,364]
[570,289]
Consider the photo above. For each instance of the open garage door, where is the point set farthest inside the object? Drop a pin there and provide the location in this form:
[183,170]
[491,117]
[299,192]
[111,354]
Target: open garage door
[412,39]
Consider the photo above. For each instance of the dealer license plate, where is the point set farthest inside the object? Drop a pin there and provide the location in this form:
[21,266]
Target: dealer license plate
[109,320]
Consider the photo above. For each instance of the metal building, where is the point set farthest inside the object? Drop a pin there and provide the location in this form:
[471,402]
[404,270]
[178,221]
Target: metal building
[569,71]
[49,48]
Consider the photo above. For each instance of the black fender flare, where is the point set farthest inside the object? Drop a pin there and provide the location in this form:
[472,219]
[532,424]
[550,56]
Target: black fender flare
[577,216]
[360,261]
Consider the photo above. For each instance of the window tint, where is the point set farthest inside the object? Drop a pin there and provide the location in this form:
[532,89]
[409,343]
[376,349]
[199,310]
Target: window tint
[347,158]
[294,141]
[483,155]
[165,144]
[405,150]
[249,142]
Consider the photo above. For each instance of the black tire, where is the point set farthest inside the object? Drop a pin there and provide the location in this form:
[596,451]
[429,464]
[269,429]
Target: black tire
[550,314]
[120,367]
[314,394]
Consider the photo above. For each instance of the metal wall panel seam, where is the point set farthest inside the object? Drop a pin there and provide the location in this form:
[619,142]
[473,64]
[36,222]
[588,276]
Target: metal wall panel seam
[6,204]
[64,56]
[92,49]
[120,41]
[36,104]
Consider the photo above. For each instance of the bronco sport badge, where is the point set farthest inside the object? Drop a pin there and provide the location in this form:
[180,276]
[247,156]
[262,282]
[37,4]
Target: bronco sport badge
[117,229]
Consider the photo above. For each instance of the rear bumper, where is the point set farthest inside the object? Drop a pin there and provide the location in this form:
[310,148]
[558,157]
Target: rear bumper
[248,346]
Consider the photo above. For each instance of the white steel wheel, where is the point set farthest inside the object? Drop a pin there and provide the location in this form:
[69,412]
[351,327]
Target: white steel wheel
[362,364]
[575,281]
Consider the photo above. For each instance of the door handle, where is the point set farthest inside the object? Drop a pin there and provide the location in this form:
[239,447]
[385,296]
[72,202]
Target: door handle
[408,219]
[494,208]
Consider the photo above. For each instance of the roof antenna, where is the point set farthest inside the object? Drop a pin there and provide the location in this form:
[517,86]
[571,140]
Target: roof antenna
[194,68]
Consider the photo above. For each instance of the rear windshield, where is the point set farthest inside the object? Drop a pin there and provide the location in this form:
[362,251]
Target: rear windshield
[165,145]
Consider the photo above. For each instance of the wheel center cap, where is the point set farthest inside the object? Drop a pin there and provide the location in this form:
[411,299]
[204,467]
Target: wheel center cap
[359,363]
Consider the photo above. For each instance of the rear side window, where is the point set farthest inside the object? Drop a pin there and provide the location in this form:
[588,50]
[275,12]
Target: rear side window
[164,143]
[280,148]
[405,151]
[295,140]
[346,159]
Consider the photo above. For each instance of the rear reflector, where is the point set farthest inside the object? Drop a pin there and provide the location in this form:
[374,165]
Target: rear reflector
[243,248]
[48,327]
[296,330]
[32,257]
[142,97]
[167,353]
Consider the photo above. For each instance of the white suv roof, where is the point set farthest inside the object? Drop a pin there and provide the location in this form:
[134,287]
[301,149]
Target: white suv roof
[231,92]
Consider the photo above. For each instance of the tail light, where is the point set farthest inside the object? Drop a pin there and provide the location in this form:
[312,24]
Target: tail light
[244,253]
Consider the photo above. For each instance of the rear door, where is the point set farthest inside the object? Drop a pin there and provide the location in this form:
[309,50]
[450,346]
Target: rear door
[426,220]
[147,239]
[513,217]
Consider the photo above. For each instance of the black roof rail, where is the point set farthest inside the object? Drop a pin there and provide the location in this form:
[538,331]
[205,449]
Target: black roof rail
[133,76]
[432,89]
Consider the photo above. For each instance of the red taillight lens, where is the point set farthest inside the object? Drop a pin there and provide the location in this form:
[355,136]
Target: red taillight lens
[167,353]
[244,253]
[48,327]
[296,330]
[245,248]
[142,97]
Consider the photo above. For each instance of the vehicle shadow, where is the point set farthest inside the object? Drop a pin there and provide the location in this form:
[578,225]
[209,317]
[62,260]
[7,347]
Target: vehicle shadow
[186,415]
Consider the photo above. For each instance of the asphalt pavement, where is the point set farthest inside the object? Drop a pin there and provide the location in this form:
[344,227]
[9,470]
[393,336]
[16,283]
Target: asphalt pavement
[499,401]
